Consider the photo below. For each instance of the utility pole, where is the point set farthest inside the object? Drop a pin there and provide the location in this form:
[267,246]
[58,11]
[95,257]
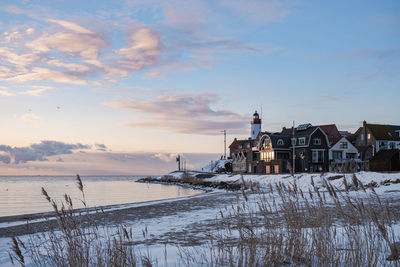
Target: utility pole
[294,153]
[224,131]
[178,159]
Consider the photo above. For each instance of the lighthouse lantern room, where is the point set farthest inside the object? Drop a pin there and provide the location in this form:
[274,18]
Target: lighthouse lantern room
[255,125]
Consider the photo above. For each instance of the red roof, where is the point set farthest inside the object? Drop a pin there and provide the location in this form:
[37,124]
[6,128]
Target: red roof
[235,144]
[330,129]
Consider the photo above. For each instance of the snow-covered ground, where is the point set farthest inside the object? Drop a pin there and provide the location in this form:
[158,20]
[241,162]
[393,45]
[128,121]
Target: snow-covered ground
[196,219]
[214,166]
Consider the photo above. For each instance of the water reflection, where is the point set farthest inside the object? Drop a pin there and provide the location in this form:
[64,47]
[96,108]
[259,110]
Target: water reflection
[22,195]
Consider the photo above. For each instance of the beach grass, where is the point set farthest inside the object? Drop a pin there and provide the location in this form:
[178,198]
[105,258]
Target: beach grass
[276,226]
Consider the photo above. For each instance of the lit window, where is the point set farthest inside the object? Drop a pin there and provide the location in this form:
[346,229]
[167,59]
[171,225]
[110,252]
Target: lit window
[267,156]
[317,141]
[369,136]
[302,141]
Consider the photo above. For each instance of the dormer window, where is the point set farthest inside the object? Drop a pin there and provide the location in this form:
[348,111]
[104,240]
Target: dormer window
[302,141]
[317,141]
[280,142]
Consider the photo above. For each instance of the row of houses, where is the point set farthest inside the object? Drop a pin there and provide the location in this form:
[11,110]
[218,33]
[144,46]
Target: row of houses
[321,148]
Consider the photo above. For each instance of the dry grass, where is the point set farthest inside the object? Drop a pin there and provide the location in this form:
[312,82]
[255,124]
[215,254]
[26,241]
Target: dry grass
[79,240]
[286,226]
[275,227]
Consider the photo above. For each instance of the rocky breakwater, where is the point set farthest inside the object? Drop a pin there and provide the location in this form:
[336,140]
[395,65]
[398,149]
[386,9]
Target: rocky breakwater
[193,179]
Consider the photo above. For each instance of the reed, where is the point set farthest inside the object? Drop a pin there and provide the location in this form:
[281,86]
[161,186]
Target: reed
[286,226]
[79,240]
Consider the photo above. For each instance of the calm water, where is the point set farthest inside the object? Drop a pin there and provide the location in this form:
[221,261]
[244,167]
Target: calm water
[22,194]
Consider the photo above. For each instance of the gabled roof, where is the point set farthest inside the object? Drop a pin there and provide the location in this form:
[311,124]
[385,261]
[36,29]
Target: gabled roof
[330,129]
[334,140]
[383,132]
[235,144]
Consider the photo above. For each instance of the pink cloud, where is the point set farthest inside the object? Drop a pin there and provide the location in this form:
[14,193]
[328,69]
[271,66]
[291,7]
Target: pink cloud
[13,10]
[166,157]
[73,44]
[190,113]
[144,50]
[72,67]
[22,60]
[71,26]
[40,74]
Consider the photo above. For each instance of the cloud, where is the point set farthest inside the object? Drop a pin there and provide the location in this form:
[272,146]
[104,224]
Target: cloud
[71,43]
[166,157]
[37,152]
[101,147]
[104,163]
[37,90]
[21,60]
[30,117]
[13,10]
[30,31]
[71,26]
[40,74]
[144,50]
[186,113]
[71,67]
[4,91]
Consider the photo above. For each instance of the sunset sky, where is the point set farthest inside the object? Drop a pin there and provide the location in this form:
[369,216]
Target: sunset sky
[121,87]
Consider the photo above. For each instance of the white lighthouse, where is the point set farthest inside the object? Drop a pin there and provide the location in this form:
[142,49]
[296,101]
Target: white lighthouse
[255,125]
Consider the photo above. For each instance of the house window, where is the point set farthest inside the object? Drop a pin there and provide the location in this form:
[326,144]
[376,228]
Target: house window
[267,156]
[280,142]
[302,141]
[369,136]
[337,155]
[362,137]
[317,156]
[382,145]
[343,145]
[392,146]
[317,141]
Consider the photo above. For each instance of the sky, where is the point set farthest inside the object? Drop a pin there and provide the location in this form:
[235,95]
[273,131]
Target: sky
[122,87]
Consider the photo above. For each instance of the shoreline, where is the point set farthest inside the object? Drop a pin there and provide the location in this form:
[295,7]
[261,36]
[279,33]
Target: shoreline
[18,222]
